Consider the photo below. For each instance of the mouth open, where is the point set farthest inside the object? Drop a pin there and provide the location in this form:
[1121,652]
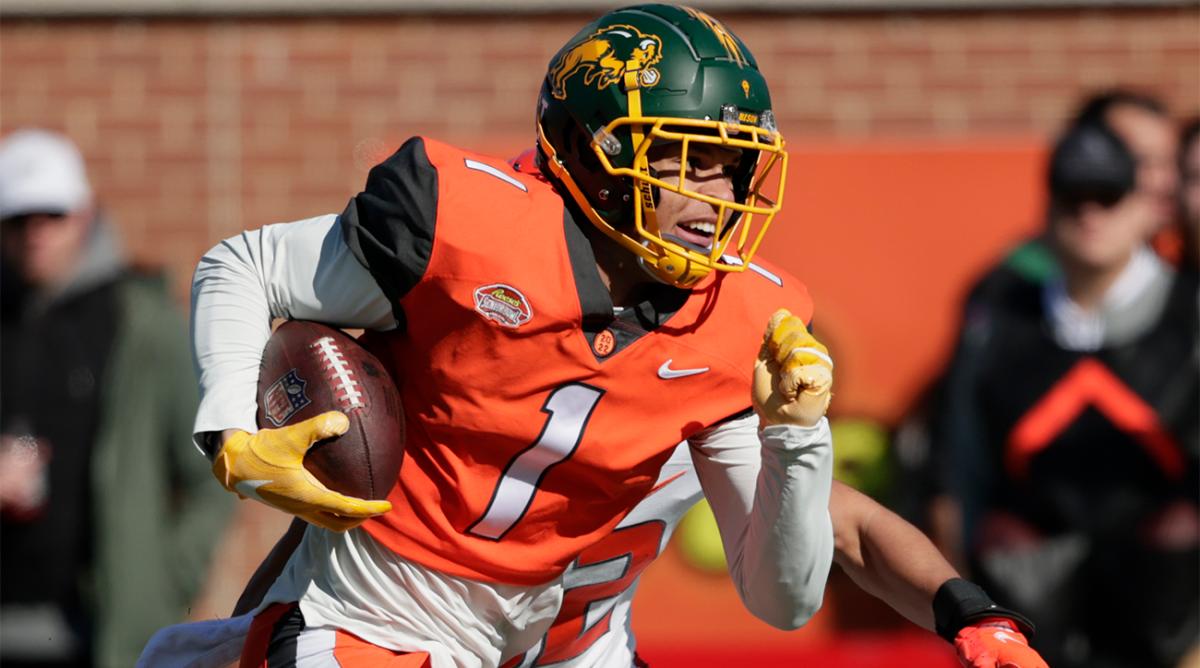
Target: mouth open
[696,234]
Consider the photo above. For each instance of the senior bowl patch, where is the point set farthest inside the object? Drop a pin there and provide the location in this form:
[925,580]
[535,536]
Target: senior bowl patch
[285,398]
[503,304]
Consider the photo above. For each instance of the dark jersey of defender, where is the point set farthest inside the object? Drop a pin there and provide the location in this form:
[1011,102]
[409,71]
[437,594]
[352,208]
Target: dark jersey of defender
[1069,440]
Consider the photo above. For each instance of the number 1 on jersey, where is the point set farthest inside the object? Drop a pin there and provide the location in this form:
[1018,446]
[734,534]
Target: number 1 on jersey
[570,407]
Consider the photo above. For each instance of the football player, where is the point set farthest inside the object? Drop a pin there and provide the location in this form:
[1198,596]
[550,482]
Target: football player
[556,335]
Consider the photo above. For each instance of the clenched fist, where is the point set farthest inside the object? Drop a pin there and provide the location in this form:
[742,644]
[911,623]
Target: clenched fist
[793,375]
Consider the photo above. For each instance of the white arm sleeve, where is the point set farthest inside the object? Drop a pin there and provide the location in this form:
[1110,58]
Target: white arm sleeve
[301,270]
[769,491]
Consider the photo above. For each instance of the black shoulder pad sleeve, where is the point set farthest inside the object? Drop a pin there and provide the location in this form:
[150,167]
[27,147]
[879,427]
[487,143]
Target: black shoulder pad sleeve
[389,225]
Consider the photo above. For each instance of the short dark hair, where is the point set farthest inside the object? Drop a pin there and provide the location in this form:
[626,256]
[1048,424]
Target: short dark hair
[1095,107]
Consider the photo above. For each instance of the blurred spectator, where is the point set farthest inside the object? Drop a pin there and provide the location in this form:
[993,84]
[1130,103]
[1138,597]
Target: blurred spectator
[1066,425]
[1189,195]
[107,518]
[1144,126]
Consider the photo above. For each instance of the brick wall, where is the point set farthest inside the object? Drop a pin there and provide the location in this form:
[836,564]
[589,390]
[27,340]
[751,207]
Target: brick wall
[195,129]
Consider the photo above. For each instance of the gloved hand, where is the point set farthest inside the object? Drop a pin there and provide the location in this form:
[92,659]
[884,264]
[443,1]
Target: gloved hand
[995,642]
[793,375]
[269,466]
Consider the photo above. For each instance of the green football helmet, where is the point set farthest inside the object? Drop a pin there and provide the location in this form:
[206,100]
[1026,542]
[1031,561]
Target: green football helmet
[645,76]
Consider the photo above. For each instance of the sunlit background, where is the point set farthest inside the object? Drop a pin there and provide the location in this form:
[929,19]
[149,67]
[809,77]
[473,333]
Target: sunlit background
[917,131]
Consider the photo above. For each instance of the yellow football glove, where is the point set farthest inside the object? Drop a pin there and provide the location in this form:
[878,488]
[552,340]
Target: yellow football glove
[793,375]
[269,466]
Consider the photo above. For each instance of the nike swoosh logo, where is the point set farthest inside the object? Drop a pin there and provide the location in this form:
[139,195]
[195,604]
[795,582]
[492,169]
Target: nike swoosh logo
[249,488]
[667,373]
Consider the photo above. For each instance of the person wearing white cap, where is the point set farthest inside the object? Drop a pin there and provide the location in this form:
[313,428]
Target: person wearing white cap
[45,203]
[104,525]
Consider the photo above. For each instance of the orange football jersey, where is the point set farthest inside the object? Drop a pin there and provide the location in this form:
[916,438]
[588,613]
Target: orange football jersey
[536,418]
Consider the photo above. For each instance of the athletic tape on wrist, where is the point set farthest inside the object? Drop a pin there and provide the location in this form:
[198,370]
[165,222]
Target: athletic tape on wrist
[959,603]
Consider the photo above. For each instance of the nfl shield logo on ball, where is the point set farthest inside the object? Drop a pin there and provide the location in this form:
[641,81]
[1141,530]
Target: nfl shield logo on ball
[285,398]
[503,304]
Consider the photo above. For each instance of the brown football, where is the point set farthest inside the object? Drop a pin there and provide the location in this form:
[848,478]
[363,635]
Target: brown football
[308,369]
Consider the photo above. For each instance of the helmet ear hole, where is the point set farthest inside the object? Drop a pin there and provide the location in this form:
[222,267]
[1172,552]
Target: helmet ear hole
[611,196]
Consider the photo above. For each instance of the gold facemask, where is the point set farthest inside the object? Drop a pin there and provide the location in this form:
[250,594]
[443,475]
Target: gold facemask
[737,237]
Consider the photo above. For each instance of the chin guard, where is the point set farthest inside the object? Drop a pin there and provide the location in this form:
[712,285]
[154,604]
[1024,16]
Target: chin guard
[673,268]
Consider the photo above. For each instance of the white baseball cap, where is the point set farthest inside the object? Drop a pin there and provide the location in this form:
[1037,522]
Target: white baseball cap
[41,172]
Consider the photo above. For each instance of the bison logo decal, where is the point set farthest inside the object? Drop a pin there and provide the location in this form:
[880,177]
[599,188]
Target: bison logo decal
[601,59]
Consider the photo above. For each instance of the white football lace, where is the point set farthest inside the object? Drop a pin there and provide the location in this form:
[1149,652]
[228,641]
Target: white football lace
[346,389]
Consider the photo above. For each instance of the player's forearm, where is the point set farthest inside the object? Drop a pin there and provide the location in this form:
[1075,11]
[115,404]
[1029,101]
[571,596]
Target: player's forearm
[301,270]
[769,493]
[886,556]
[231,322]
[780,559]
[784,561]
